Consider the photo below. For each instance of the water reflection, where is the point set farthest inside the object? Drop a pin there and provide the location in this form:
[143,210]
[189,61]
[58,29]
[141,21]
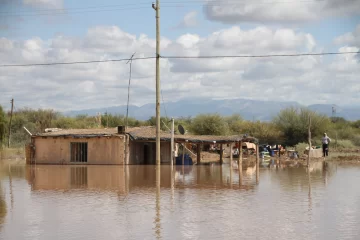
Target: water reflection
[190,202]
[125,179]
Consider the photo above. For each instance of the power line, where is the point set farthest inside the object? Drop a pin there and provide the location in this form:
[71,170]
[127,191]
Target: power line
[64,12]
[71,63]
[79,10]
[181,57]
[76,8]
[261,56]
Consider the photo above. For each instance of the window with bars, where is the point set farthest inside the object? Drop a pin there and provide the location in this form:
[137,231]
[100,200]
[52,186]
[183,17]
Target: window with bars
[79,152]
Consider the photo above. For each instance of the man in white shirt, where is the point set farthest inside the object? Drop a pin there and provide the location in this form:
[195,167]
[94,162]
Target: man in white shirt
[325,145]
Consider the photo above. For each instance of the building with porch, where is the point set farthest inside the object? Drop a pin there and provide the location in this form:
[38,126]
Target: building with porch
[114,146]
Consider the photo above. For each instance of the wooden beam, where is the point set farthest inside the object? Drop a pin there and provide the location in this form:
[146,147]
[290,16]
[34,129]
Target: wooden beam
[231,155]
[221,154]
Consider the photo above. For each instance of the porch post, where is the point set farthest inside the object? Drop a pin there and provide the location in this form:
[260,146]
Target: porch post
[198,156]
[231,155]
[221,154]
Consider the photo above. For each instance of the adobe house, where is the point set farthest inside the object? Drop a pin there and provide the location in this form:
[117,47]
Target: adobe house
[78,146]
[113,146]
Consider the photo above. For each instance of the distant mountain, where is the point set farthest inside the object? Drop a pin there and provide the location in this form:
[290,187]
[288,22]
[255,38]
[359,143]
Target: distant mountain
[248,109]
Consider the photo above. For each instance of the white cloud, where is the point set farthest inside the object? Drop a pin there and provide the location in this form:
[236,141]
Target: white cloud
[278,11]
[304,79]
[45,3]
[190,20]
[350,39]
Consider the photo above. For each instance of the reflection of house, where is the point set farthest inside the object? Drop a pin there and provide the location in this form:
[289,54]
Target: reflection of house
[76,177]
[112,146]
[124,179]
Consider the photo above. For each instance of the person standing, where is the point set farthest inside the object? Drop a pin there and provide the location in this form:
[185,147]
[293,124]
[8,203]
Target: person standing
[325,145]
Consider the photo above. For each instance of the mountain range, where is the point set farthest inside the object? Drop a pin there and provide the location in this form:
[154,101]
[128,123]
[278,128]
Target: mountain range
[248,109]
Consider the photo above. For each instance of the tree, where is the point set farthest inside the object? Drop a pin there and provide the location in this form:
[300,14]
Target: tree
[209,124]
[293,122]
[235,123]
[265,132]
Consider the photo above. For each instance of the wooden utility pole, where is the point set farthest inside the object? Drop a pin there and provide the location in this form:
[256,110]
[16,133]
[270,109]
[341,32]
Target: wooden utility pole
[128,100]
[172,142]
[309,133]
[257,164]
[157,9]
[11,113]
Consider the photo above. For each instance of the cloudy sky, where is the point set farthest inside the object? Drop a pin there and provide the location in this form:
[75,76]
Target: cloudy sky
[42,31]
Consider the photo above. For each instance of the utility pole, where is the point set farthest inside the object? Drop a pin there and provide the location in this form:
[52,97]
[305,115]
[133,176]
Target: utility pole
[334,121]
[128,100]
[172,141]
[157,9]
[309,139]
[11,113]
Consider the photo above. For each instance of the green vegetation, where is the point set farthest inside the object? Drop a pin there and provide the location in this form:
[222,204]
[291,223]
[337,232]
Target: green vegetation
[289,127]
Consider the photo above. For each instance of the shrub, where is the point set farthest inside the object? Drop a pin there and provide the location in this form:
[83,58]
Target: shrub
[343,144]
[301,147]
[356,140]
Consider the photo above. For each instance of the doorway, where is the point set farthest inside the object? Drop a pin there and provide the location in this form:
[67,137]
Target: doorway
[146,154]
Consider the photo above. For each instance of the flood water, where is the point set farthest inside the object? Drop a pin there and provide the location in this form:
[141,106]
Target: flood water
[196,202]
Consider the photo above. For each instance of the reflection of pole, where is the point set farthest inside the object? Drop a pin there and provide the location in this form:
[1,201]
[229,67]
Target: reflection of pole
[240,164]
[309,194]
[157,217]
[309,134]
[172,184]
[11,192]
[257,164]
[183,156]
[127,177]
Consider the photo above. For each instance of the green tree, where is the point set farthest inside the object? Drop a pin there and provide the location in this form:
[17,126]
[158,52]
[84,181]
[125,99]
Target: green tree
[209,124]
[265,132]
[235,123]
[294,122]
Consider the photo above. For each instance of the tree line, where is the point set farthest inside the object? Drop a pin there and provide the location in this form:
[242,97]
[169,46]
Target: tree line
[289,127]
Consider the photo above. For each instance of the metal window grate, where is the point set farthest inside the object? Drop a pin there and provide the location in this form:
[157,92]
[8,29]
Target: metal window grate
[79,152]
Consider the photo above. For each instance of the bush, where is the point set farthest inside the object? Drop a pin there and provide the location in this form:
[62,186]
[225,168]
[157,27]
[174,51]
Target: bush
[294,122]
[356,140]
[301,147]
[343,144]
[209,124]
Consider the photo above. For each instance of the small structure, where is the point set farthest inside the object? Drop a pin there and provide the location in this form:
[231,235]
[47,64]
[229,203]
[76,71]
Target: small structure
[78,146]
[114,146]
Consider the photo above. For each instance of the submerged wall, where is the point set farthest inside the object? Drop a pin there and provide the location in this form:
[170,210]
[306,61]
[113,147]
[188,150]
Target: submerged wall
[100,150]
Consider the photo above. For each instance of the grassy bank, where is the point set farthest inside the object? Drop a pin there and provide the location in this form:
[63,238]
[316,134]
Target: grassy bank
[12,153]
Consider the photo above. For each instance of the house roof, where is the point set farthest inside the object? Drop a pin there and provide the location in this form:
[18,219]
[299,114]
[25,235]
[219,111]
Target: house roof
[145,134]
[95,132]
[149,134]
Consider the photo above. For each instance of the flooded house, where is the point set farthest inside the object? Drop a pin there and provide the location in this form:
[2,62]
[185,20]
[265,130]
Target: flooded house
[113,146]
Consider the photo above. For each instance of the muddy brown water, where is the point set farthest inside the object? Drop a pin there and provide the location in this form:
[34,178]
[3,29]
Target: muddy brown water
[197,202]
